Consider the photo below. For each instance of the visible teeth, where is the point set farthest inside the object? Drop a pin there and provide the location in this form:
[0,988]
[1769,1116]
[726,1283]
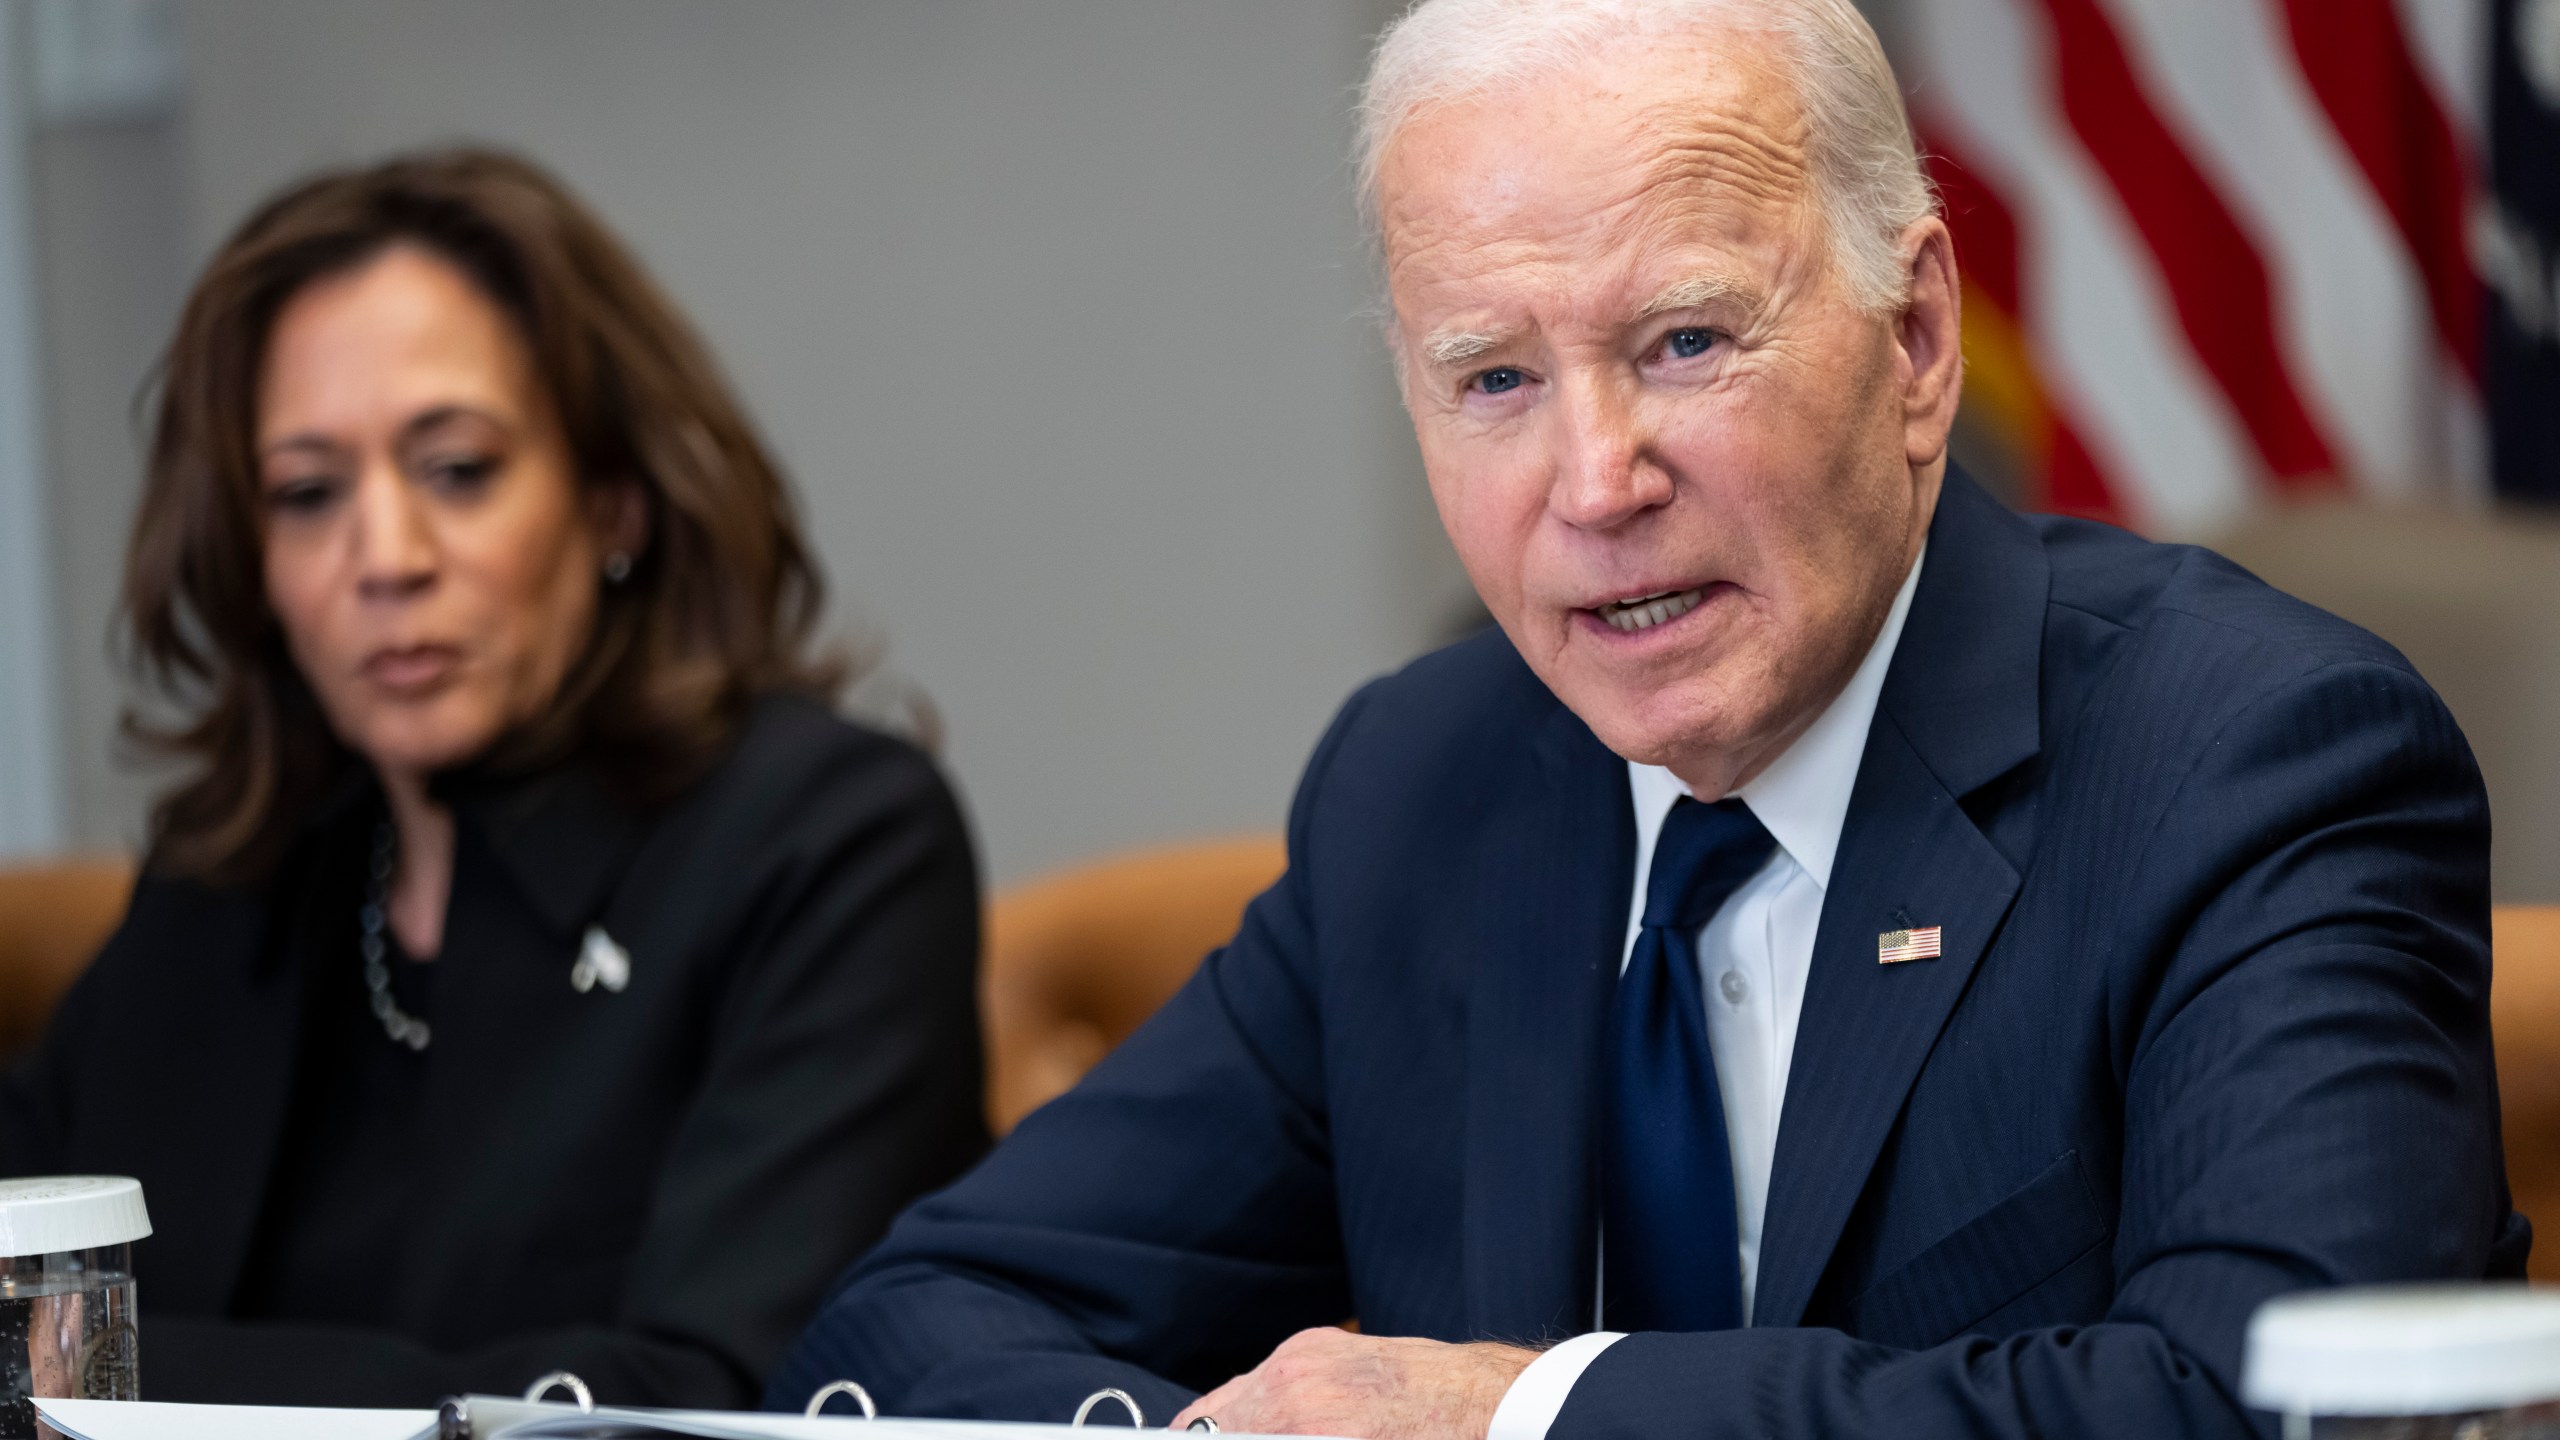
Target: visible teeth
[1652,610]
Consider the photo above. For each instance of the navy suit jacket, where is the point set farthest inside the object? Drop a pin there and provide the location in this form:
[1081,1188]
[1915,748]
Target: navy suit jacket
[2211,1025]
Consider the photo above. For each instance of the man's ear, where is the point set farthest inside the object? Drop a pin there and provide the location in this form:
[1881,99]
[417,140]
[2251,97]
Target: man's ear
[1929,333]
[619,512]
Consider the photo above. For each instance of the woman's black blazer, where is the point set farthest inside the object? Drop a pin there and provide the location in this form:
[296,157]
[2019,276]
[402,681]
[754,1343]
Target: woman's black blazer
[649,1188]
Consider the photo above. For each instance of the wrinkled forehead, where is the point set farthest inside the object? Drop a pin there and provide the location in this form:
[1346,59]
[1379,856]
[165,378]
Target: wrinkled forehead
[1701,136]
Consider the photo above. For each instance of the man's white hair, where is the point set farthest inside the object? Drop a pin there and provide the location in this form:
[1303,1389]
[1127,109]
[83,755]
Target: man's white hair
[1867,183]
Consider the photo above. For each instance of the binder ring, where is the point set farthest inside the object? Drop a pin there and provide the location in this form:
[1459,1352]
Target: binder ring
[564,1380]
[834,1388]
[1128,1402]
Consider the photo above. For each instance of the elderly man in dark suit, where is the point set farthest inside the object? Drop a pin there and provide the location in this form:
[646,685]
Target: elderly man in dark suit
[1841,959]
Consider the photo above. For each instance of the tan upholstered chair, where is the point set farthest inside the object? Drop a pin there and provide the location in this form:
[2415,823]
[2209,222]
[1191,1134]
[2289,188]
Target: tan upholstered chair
[2524,1004]
[53,918]
[1078,959]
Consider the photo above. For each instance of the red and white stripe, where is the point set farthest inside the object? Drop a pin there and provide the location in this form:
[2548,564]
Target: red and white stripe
[2238,235]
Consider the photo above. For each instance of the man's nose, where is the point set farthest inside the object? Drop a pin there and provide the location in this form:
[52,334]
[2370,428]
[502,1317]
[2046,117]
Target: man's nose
[395,538]
[1605,471]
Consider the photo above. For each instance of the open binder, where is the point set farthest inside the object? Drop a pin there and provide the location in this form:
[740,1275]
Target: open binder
[491,1417]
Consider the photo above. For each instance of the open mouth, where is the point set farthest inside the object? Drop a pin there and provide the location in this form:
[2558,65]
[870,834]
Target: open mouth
[1646,611]
[411,667]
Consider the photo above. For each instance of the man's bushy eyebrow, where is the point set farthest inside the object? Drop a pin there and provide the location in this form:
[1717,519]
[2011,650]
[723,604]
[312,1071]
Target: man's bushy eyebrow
[1697,290]
[1457,347]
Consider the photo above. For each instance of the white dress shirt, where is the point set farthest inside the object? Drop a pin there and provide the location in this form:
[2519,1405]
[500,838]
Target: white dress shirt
[1753,959]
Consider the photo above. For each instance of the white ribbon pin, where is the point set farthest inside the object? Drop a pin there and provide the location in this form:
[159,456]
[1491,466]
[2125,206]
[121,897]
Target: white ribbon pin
[600,962]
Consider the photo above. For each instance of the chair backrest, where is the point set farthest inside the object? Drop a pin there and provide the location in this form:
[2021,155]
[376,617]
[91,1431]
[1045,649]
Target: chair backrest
[1078,959]
[2524,1005]
[53,918]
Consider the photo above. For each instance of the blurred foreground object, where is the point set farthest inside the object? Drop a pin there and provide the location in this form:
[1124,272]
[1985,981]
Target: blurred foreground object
[1079,958]
[2409,1362]
[53,918]
[67,1292]
[2213,253]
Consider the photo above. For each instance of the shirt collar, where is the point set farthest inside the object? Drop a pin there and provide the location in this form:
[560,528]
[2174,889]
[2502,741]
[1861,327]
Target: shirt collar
[1803,795]
[562,834]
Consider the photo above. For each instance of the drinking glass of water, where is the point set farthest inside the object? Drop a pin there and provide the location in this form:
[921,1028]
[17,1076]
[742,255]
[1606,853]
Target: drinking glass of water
[2409,1362]
[67,1322]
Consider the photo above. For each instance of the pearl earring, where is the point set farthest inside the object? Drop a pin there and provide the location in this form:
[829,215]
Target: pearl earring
[617,567]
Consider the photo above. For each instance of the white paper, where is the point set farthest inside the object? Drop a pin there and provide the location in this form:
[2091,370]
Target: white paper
[158,1420]
[155,1420]
[836,1427]
[738,1425]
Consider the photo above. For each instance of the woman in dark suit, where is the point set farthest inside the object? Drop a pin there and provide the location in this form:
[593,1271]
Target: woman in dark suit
[531,971]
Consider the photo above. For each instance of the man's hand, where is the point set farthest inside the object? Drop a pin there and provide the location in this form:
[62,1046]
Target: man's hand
[1332,1382]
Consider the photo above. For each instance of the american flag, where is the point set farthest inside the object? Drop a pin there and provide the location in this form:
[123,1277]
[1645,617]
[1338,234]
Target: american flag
[1898,945]
[2214,250]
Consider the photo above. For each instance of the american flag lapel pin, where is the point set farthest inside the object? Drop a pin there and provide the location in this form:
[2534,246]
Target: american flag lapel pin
[1895,946]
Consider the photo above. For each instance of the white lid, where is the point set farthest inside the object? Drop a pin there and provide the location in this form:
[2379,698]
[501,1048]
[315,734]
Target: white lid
[2404,1350]
[70,1212]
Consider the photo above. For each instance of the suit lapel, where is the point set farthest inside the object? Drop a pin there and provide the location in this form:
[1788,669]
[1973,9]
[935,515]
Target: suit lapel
[1867,1027]
[212,1181]
[1555,915]
[536,861]
[560,838]
[1959,709]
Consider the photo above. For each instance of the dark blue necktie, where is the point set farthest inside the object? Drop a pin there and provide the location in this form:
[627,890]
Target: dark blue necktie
[1669,1247]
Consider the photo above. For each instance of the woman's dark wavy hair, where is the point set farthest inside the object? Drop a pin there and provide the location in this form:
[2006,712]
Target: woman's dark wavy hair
[722,606]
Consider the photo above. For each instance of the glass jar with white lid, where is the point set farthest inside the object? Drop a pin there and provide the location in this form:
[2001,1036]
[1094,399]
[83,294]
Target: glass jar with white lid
[67,1293]
[2409,1362]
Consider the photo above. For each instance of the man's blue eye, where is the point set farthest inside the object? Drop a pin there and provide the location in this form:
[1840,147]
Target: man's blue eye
[1689,343]
[1499,379]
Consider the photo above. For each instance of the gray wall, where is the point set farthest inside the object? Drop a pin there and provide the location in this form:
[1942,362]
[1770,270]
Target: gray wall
[1057,313]
[107,238]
